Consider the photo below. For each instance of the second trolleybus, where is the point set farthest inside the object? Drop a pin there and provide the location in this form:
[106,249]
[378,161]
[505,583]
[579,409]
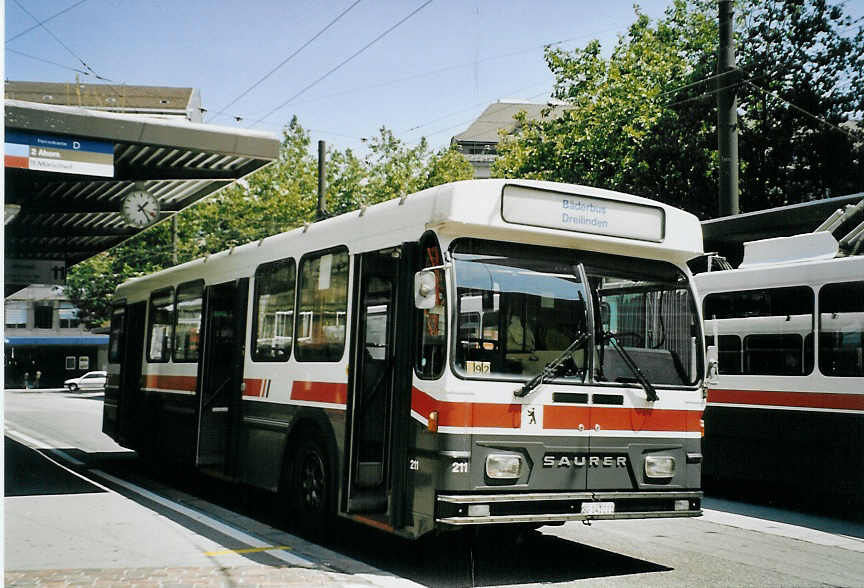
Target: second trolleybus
[483,352]
[785,417]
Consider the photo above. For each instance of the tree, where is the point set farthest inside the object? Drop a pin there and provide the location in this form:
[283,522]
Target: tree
[644,119]
[799,57]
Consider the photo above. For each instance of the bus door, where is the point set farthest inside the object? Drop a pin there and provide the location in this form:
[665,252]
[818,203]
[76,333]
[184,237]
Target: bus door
[130,425]
[221,375]
[379,398]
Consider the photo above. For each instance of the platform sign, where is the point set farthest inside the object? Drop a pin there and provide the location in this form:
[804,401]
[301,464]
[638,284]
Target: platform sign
[35,271]
[59,154]
[584,214]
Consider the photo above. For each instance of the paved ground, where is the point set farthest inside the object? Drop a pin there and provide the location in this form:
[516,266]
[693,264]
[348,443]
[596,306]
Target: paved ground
[68,523]
[80,511]
[195,576]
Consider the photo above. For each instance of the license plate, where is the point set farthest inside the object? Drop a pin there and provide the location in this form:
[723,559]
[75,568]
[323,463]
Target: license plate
[598,508]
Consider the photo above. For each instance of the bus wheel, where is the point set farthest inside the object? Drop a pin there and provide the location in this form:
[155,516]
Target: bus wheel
[313,488]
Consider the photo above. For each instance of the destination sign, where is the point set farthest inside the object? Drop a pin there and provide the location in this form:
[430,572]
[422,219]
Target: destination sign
[583,214]
[59,154]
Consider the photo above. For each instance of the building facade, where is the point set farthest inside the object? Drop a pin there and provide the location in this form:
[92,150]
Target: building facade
[44,341]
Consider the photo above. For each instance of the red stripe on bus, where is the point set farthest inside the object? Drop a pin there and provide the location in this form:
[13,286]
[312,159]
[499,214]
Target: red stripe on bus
[254,387]
[620,419]
[373,523]
[165,382]
[566,417]
[467,414]
[329,392]
[788,399]
[17,161]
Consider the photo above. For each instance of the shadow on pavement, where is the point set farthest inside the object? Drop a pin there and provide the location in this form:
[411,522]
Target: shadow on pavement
[30,473]
[489,558]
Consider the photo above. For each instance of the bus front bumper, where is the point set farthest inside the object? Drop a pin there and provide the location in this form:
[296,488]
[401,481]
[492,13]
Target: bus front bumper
[557,507]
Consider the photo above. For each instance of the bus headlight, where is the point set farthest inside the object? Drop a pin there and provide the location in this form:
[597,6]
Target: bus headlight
[501,466]
[659,466]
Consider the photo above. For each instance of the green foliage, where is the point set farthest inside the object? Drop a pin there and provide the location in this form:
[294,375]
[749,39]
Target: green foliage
[809,54]
[643,120]
[276,198]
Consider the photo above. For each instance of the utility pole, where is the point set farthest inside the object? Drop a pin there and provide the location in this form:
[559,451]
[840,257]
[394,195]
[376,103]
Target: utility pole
[321,212]
[727,111]
[174,239]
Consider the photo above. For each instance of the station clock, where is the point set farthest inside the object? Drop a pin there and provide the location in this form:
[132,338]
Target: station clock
[140,208]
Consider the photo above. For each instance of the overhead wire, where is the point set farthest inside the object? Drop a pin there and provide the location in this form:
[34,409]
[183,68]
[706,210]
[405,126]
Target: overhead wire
[466,109]
[443,69]
[287,59]
[62,44]
[698,82]
[849,132]
[344,62]
[491,112]
[49,62]
[41,22]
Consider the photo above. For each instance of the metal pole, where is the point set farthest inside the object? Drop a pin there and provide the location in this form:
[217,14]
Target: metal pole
[174,239]
[322,181]
[727,112]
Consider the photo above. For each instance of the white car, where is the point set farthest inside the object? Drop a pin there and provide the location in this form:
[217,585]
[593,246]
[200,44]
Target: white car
[89,381]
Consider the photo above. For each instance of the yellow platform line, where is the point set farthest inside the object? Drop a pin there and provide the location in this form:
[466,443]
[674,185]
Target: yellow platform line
[249,550]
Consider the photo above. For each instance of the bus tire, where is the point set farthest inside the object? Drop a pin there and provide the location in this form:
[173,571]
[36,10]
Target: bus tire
[312,489]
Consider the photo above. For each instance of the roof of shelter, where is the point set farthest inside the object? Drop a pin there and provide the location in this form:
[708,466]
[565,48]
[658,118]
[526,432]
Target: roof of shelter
[103,96]
[728,234]
[73,216]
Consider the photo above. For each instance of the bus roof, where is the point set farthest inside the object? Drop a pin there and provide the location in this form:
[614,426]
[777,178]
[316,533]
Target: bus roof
[523,211]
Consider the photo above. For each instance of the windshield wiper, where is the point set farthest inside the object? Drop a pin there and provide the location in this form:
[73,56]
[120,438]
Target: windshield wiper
[552,367]
[650,391]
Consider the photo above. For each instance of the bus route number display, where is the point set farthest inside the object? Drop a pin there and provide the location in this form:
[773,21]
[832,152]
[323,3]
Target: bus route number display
[584,214]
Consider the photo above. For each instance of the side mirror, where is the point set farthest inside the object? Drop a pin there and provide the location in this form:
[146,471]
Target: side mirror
[713,368]
[425,283]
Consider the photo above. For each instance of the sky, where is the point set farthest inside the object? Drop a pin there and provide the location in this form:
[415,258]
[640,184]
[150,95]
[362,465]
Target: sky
[345,68]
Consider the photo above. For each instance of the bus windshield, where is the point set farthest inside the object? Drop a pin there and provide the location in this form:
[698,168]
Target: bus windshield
[644,313]
[519,307]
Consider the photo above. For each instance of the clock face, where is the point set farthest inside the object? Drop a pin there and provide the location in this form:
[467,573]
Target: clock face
[140,208]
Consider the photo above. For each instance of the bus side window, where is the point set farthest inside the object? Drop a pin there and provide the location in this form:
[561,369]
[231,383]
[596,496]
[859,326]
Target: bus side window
[160,326]
[115,340]
[729,353]
[841,329]
[432,322]
[190,299]
[323,298]
[776,325]
[273,328]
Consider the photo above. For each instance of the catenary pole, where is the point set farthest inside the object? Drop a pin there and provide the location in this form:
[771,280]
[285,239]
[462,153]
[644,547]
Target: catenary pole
[322,181]
[727,112]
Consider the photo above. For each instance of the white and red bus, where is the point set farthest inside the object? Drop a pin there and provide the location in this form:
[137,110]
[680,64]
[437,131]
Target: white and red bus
[786,413]
[481,352]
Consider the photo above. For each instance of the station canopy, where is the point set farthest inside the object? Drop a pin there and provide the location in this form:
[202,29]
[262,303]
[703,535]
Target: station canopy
[69,170]
[727,235]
